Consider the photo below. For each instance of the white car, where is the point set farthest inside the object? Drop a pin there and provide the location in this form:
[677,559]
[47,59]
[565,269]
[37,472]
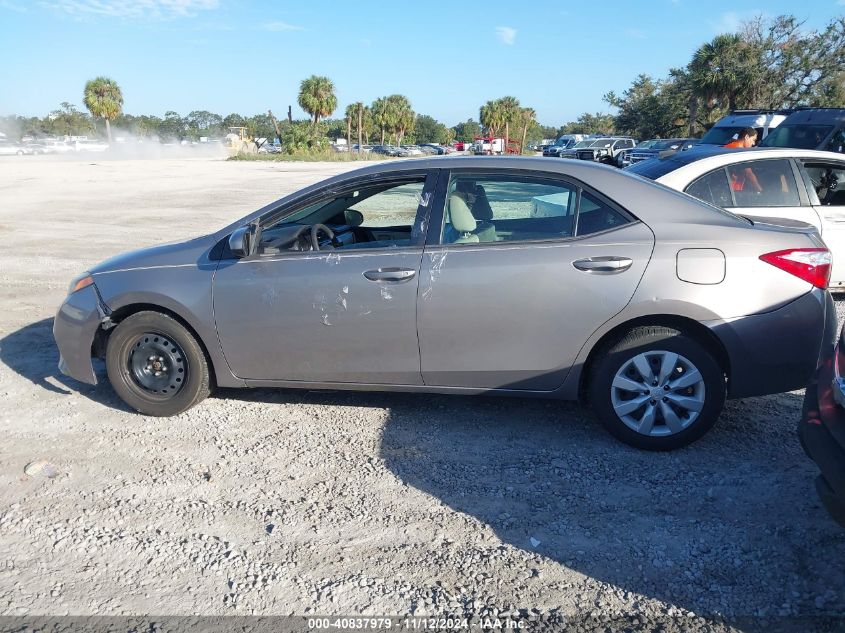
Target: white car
[804,185]
[55,146]
[91,146]
[8,148]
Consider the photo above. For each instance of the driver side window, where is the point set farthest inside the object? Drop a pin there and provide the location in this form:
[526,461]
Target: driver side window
[374,215]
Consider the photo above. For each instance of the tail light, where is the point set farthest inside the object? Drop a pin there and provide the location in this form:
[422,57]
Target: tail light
[810,264]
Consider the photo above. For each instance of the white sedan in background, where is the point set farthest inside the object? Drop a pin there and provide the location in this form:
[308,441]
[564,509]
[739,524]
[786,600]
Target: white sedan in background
[804,185]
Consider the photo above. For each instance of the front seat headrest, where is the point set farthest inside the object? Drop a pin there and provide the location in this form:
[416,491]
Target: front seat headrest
[460,215]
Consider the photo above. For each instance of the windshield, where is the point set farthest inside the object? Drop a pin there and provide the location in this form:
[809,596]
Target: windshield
[797,136]
[582,144]
[646,144]
[602,142]
[657,167]
[724,135]
[669,144]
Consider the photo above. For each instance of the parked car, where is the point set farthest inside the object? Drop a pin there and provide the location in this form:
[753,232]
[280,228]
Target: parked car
[435,149]
[412,150]
[365,149]
[606,150]
[96,146]
[811,128]
[563,142]
[659,148]
[625,155]
[803,185]
[728,127]
[9,148]
[571,151]
[518,276]
[270,148]
[387,150]
[56,146]
[822,428]
[560,146]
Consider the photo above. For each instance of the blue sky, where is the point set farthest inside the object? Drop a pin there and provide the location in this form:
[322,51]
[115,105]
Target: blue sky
[448,57]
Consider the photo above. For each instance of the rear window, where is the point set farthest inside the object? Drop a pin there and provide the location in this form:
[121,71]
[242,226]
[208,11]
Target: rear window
[797,136]
[657,167]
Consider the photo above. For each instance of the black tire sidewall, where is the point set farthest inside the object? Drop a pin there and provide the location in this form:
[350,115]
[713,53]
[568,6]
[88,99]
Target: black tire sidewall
[606,367]
[125,335]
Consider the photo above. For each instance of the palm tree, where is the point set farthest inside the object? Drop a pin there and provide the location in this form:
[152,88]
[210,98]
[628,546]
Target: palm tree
[492,117]
[317,98]
[384,115]
[403,116]
[103,98]
[350,113]
[528,117]
[510,109]
[720,70]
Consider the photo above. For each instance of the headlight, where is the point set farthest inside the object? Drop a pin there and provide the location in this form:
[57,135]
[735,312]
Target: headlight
[83,281]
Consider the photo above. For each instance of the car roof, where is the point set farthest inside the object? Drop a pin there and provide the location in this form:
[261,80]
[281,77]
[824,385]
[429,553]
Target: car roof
[811,116]
[712,158]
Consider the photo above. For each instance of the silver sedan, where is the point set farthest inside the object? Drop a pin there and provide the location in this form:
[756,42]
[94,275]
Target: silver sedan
[513,276]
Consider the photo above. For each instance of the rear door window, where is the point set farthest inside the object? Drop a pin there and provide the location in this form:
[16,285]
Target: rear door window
[828,182]
[713,188]
[763,183]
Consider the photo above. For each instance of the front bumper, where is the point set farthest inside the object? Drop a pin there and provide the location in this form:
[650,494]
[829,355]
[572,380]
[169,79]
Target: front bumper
[778,351]
[822,431]
[74,329]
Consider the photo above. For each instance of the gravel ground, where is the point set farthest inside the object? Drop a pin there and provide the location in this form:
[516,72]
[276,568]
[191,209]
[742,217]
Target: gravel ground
[284,502]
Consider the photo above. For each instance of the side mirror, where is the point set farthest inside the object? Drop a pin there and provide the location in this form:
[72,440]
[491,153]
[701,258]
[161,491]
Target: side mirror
[240,242]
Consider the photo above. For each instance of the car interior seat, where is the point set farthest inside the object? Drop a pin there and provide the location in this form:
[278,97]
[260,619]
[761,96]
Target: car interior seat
[480,209]
[462,220]
[483,213]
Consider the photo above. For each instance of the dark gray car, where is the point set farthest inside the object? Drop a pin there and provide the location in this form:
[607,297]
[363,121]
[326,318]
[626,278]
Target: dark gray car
[518,276]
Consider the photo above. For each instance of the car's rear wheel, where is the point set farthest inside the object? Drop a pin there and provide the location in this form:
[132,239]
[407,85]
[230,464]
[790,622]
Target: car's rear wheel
[657,388]
[155,365]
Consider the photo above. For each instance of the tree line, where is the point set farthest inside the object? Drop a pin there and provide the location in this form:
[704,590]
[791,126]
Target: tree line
[768,64]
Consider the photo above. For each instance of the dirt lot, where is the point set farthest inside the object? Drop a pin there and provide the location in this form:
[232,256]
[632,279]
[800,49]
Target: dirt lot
[344,503]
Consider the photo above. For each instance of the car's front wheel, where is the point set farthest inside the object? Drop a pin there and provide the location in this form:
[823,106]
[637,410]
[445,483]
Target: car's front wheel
[657,388]
[156,365]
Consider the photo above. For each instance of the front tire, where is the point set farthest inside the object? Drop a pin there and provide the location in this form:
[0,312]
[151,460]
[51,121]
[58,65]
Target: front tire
[156,365]
[657,389]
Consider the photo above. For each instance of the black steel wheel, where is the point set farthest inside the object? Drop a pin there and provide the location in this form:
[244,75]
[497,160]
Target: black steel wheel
[156,365]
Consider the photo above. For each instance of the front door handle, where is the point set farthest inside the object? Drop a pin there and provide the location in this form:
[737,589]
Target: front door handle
[604,265]
[390,275]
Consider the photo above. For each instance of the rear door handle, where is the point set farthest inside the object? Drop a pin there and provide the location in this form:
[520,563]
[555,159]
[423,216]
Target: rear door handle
[604,265]
[390,275]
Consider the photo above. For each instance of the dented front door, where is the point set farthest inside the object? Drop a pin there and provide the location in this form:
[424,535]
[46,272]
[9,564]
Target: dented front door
[321,317]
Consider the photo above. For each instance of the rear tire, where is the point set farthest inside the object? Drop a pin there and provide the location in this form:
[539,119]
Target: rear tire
[155,365]
[677,402]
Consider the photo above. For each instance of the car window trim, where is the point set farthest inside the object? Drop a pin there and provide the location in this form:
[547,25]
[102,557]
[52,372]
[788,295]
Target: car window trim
[434,235]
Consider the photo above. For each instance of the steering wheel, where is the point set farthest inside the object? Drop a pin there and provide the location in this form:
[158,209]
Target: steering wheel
[315,232]
[287,241]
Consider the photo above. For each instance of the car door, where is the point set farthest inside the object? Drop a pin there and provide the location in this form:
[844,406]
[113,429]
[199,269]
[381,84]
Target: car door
[761,188]
[342,315]
[518,272]
[825,181]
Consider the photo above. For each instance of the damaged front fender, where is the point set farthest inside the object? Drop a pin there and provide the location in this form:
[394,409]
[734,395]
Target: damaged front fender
[74,329]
